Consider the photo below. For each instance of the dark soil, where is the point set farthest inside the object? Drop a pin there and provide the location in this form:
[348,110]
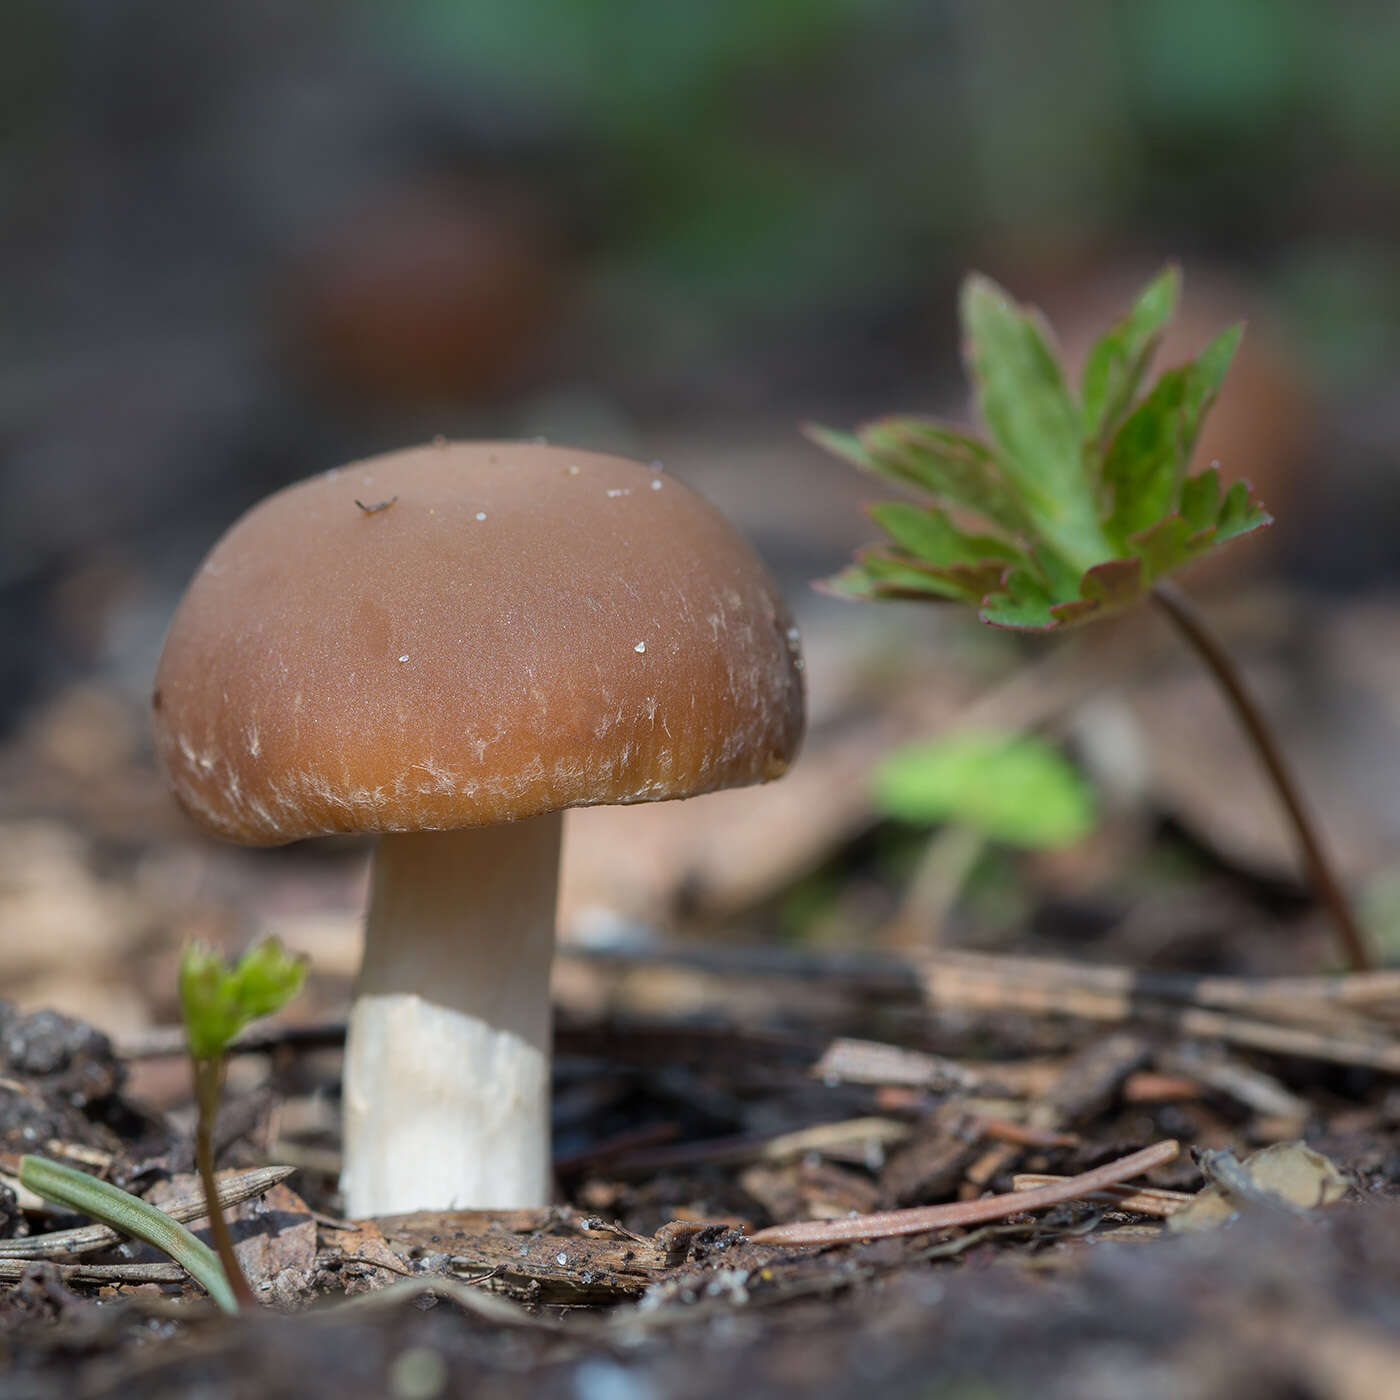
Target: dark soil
[647,1287]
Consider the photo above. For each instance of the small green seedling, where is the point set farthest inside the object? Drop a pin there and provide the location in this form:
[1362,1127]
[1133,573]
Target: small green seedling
[1015,790]
[217,1002]
[1078,504]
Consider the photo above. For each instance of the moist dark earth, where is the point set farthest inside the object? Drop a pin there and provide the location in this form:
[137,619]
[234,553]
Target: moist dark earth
[628,1293]
[770,1057]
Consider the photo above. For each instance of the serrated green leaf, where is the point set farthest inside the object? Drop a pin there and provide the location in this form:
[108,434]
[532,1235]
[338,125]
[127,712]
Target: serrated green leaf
[218,1001]
[1060,578]
[1112,584]
[1240,513]
[895,569]
[851,583]
[1117,361]
[881,573]
[1206,374]
[927,532]
[1046,561]
[1168,544]
[1023,603]
[1148,457]
[1200,499]
[1015,789]
[1145,458]
[944,463]
[1022,397]
[839,444]
[1106,588]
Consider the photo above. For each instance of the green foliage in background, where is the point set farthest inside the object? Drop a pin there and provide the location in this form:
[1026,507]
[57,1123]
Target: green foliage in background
[218,1000]
[1078,501]
[1015,789]
[680,105]
[750,162]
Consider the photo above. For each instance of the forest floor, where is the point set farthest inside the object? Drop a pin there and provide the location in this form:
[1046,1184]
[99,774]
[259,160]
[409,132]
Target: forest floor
[798,1063]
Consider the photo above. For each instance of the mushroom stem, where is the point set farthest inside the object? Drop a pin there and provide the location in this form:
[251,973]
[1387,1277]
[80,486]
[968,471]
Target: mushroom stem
[447,1057]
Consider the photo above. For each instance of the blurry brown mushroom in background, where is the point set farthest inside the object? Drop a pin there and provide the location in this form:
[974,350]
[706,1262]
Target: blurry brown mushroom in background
[436,290]
[447,646]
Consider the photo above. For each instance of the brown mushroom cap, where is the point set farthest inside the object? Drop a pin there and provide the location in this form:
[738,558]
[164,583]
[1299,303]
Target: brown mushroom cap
[470,633]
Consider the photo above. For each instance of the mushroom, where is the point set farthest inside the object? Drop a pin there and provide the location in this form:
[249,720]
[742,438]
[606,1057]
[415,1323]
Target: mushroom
[447,647]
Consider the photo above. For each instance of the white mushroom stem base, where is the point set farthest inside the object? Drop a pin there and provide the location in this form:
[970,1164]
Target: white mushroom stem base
[447,1059]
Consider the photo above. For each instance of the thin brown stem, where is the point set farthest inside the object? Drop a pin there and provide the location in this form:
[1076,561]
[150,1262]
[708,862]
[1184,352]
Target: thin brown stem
[920,1219]
[207,1077]
[1192,625]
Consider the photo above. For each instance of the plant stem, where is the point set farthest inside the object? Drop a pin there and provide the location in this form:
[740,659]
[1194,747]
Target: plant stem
[208,1074]
[66,1186]
[943,870]
[1192,625]
[918,1220]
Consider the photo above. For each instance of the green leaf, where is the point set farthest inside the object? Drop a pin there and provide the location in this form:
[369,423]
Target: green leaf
[1023,603]
[1149,454]
[218,1001]
[1240,513]
[1117,361]
[1110,587]
[1145,458]
[67,1186]
[883,573]
[1023,400]
[1171,542]
[1014,789]
[839,444]
[939,461]
[1046,559]
[1107,587]
[927,533]
[880,574]
[1200,499]
[1060,578]
[852,583]
[1207,374]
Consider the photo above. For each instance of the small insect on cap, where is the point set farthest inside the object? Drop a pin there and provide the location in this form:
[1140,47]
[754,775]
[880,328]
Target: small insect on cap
[470,633]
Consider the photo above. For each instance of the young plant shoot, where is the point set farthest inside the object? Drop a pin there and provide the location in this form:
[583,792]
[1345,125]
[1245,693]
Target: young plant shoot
[217,1002]
[1012,789]
[1077,505]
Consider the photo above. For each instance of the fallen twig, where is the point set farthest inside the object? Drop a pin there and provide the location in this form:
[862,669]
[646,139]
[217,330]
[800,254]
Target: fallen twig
[977,991]
[1257,1091]
[1141,1200]
[1014,1134]
[490,1307]
[86,1239]
[1294,998]
[1312,1017]
[67,1186]
[848,1061]
[12,1271]
[921,1219]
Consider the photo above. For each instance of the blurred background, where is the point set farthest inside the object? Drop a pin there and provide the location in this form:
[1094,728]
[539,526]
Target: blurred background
[242,243]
